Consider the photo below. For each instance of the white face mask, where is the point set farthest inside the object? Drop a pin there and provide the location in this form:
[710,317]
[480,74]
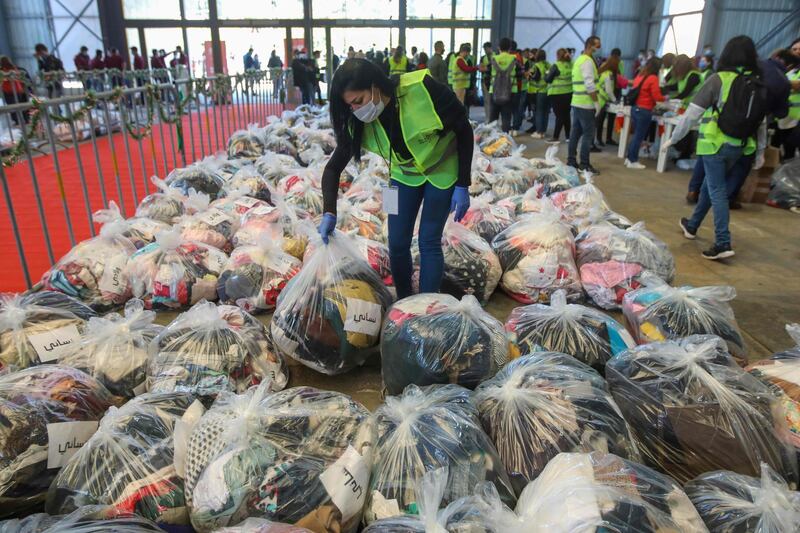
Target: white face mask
[369,111]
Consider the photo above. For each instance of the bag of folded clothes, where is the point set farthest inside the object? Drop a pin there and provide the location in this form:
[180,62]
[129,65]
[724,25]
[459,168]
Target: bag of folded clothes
[274,166]
[128,463]
[250,181]
[486,218]
[537,254]
[691,410]
[164,206]
[213,226]
[600,216]
[236,204]
[600,492]
[229,167]
[782,373]
[39,327]
[311,137]
[113,349]
[173,273]
[280,222]
[354,221]
[46,413]
[210,349]
[302,192]
[546,403]
[733,503]
[256,274]
[140,231]
[578,202]
[785,186]
[373,252]
[497,144]
[434,338]
[467,514]
[94,270]
[202,177]
[366,194]
[280,140]
[329,315]
[301,456]
[586,334]
[658,312]
[88,519]
[612,261]
[260,525]
[470,265]
[247,143]
[427,429]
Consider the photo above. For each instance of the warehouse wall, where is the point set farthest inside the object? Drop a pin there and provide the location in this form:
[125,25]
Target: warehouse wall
[754,18]
[538,23]
[621,24]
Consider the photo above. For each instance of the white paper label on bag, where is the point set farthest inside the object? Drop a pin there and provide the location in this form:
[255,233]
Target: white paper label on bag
[147,226]
[64,439]
[217,261]
[214,217]
[50,345]
[363,317]
[280,263]
[391,200]
[247,202]
[346,483]
[263,210]
[113,279]
[382,507]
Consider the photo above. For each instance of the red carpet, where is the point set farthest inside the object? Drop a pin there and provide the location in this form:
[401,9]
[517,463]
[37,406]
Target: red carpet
[147,159]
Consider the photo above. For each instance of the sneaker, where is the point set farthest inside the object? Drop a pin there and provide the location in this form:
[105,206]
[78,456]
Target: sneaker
[635,165]
[590,169]
[718,252]
[684,224]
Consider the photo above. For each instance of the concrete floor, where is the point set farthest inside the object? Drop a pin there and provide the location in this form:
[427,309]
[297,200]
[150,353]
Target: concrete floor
[764,270]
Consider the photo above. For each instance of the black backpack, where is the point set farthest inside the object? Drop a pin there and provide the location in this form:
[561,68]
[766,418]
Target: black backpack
[745,108]
[633,94]
[502,83]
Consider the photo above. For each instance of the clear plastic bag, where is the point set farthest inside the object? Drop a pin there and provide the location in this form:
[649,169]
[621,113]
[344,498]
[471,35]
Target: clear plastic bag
[88,519]
[329,316]
[113,349]
[38,327]
[658,312]
[586,334]
[354,221]
[232,166]
[202,177]
[578,202]
[128,463]
[211,349]
[691,410]
[537,254]
[375,253]
[470,264]
[427,429]
[140,231]
[274,166]
[366,194]
[45,412]
[782,373]
[173,273]
[164,206]
[497,144]
[486,218]
[261,525]
[236,203]
[729,502]
[301,456]
[256,274]
[213,226]
[434,338]
[248,180]
[279,222]
[612,261]
[542,404]
[94,270]
[303,193]
[785,186]
[598,491]
[247,143]
[600,216]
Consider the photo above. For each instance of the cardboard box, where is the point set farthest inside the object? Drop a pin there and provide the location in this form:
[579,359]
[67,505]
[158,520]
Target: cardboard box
[772,157]
[756,186]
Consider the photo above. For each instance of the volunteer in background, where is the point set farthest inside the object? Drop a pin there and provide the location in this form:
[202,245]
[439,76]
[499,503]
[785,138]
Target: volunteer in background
[486,78]
[461,72]
[520,97]
[503,64]
[607,81]
[642,112]
[686,80]
[617,53]
[706,66]
[788,132]
[585,105]
[398,62]
[718,152]
[537,81]
[559,91]
[418,126]
[436,65]
[665,74]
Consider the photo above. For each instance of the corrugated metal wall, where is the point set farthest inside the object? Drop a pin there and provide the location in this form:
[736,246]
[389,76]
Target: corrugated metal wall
[755,18]
[620,25]
[26,23]
[538,23]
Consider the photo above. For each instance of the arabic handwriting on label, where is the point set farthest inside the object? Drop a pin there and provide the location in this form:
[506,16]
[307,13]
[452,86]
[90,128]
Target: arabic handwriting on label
[64,439]
[363,317]
[112,279]
[53,344]
[345,480]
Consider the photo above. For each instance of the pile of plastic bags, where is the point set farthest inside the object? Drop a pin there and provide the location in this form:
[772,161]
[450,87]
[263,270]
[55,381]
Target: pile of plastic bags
[785,186]
[201,177]
[247,143]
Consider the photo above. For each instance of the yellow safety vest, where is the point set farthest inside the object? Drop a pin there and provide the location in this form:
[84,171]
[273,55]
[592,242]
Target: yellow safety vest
[562,84]
[710,138]
[579,94]
[602,96]
[459,77]
[398,67]
[503,60]
[682,85]
[794,97]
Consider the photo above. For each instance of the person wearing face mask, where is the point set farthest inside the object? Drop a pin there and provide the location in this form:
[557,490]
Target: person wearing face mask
[418,126]
[585,105]
[706,66]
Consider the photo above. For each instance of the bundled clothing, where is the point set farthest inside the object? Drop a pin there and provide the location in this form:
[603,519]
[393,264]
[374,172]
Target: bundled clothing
[426,429]
[589,335]
[202,177]
[249,183]
[280,223]
[210,349]
[433,338]
[164,206]
[692,410]
[88,519]
[486,218]
[785,186]
[45,411]
[301,456]
[542,404]
[247,143]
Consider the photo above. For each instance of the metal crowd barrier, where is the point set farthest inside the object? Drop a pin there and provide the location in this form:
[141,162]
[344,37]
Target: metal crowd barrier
[149,123]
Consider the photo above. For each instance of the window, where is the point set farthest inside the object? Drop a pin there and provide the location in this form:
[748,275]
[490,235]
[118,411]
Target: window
[423,38]
[474,9]
[201,56]
[263,41]
[164,39]
[132,36]
[681,31]
[429,9]
[463,35]
[151,9]
[196,9]
[363,39]
[356,9]
[260,9]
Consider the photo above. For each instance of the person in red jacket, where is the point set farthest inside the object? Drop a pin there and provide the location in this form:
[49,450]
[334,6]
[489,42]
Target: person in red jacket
[642,113]
[139,62]
[82,59]
[463,66]
[115,61]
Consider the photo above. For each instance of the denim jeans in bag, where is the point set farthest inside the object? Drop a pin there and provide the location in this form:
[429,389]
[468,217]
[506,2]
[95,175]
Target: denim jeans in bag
[714,192]
[583,130]
[641,124]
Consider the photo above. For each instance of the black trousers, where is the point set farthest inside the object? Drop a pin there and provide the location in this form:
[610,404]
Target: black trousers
[561,105]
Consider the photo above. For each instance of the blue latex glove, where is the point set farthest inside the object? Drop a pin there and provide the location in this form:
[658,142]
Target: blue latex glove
[327,226]
[460,203]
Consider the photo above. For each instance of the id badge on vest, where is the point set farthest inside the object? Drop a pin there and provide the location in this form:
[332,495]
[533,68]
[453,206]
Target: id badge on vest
[391,200]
